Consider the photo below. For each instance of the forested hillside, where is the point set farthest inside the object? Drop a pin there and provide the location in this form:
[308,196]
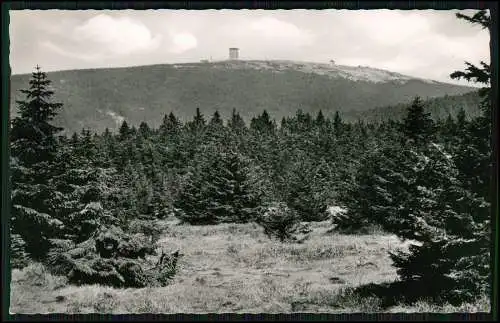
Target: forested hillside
[439,108]
[102,98]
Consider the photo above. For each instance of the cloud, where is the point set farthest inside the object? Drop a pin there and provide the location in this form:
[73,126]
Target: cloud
[273,29]
[424,43]
[116,36]
[383,27]
[71,54]
[182,42]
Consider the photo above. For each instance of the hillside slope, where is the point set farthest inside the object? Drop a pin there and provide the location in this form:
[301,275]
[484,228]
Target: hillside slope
[438,107]
[100,98]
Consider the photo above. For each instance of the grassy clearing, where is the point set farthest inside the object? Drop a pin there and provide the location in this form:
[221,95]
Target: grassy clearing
[236,268]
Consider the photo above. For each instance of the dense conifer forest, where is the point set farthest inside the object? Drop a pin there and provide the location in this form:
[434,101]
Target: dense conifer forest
[85,205]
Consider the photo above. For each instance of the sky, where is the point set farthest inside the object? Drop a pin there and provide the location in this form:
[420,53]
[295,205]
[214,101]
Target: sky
[428,44]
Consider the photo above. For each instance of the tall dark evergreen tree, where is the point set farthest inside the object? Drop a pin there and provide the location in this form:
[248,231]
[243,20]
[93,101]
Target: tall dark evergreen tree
[133,131]
[236,122]
[304,191]
[144,129]
[124,131]
[418,125]
[263,124]
[171,125]
[198,122]
[219,190]
[34,146]
[475,161]
[216,120]
[337,123]
[320,119]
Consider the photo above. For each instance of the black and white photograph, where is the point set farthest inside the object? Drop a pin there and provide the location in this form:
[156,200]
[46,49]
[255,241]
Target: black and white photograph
[250,161]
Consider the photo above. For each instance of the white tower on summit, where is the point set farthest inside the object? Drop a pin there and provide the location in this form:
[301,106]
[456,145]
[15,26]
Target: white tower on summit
[233,53]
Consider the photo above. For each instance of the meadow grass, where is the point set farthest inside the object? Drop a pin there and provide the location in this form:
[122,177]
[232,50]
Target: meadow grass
[236,268]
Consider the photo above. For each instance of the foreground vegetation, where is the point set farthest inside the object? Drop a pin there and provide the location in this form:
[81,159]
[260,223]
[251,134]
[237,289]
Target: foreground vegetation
[236,268]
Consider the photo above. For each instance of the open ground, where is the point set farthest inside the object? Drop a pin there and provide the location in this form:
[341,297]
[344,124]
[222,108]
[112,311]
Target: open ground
[236,268]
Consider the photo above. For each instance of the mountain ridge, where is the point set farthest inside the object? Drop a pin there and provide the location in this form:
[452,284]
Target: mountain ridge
[249,62]
[104,97]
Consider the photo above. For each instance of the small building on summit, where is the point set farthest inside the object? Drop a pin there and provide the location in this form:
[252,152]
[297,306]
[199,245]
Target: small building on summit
[233,53]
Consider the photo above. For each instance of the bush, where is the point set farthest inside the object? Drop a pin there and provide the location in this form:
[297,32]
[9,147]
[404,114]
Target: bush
[168,267]
[149,228]
[110,257]
[19,258]
[279,221]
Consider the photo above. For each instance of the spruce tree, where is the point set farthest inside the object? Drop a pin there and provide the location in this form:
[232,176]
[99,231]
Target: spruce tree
[475,156]
[320,119]
[216,120]
[236,122]
[304,190]
[368,201]
[263,124]
[418,125]
[133,131]
[451,224]
[198,123]
[34,147]
[218,190]
[337,123]
[170,126]
[144,129]
[124,132]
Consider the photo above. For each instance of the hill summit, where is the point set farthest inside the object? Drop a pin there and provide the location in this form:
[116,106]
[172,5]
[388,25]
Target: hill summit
[100,98]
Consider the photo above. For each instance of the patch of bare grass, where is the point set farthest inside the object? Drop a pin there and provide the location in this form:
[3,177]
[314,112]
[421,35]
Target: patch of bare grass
[424,306]
[235,268]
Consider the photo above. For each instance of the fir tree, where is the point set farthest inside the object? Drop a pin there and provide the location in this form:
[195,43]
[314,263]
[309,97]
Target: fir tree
[216,120]
[124,131]
[236,122]
[218,191]
[367,201]
[320,119]
[304,192]
[451,224]
[34,148]
[171,125]
[418,125]
[337,123]
[415,194]
[476,159]
[33,136]
[461,119]
[304,122]
[133,131]
[86,148]
[263,124]
[144,129]
[74,139]
[198,123]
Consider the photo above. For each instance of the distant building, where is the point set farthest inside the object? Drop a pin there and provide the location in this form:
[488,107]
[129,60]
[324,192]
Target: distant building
[204,61]
[332,62]
[233,53]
